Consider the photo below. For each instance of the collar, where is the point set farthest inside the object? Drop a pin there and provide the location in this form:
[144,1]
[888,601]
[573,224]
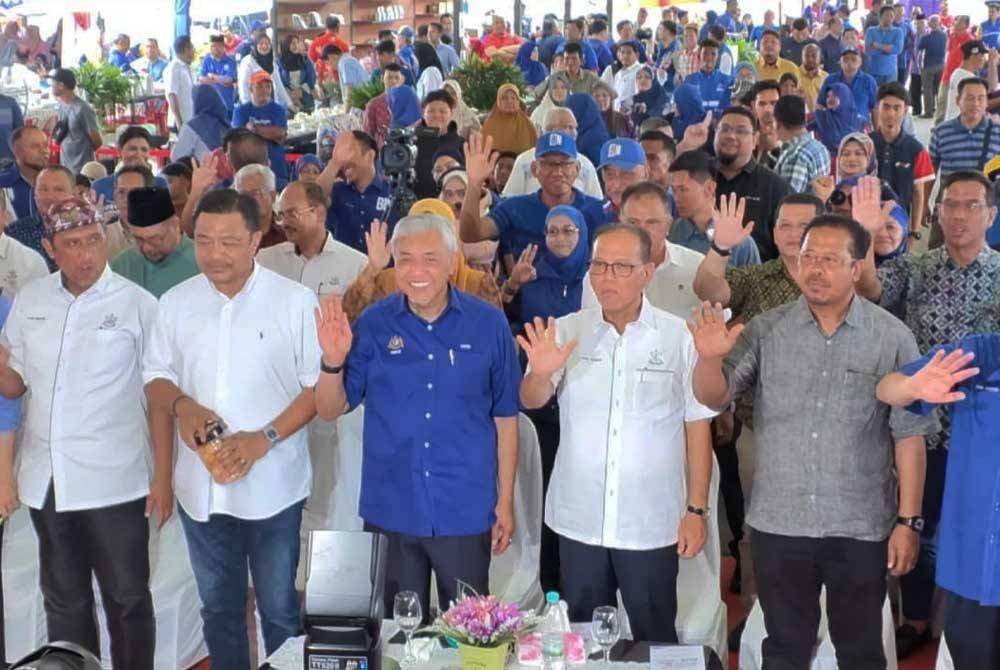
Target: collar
[646,317]
[401,306]
[855,313]
[245,289]
[99,286]
[327,246]
[985,255]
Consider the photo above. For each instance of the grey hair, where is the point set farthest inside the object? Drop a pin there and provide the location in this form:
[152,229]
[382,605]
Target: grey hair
[423,223]
[554,113]
[254,170]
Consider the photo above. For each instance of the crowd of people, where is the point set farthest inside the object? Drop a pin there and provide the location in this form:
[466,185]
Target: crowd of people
[661,254]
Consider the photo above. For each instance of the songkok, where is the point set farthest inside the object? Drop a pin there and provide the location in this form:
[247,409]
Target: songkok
[149,206]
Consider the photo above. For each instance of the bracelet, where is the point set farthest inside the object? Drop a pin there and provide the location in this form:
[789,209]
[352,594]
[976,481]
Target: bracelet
[330,370]
[719,250]
[173,405]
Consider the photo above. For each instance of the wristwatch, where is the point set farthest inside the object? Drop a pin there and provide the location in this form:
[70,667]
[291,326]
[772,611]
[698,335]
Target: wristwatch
[699,511]
[271,433]
[719,250]
[328,369]
[914,523]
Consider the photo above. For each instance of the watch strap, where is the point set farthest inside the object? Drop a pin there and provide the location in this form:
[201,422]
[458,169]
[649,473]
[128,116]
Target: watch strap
[699,511]
[330,369]
[719,250]
[914,523]
[272,434]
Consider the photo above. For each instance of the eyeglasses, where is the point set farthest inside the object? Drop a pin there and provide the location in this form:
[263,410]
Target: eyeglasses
[619,270]
[824,262]
[293,214]
[552,166]
[961,206]
[568,231]
[738,131]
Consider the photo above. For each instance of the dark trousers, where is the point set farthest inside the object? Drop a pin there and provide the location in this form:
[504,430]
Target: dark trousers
[220,550]
[930,83]
[593,575]
[729,483]
[546,422]
[453,558]
[972,632]
[790,572]
[917,586]
[916,93]
[113,544]
[901,75]
[3,644]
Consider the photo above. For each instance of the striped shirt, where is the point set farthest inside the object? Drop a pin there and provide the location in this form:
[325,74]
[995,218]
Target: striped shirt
[955,147]
[802,159]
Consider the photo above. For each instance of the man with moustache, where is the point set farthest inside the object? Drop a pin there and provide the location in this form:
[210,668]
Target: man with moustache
[31,155]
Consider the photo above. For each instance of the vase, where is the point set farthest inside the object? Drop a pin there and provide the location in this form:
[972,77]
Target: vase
[483,658]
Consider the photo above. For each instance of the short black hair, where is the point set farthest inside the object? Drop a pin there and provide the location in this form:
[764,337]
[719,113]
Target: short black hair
[739,110]
[245,148]
[886,8]
[773,33]
[671,26]
[331,50]
[718,33]
[227,201]
[851,29]
[764,85]
[445,15]
[141,170]
[132,133]
[800,24]
[21,131]
[700,165]
[176,170]
[860,238]
[217,39]
[621,24]
[669,143]
[627,44]
[332,22]
[182,43]
[597,26]
[790,111]
[439,95]
[972,81]
[640,233]
[579,22]
[971,175]
[81,180]
[788,76]
[573,48]
[646,189]
[315,195]
[708,43]
[507,154]
[367,142]
[437,26]
[802,199]
[893,89]
[973,48]
[392,67]
[385,47]
[422,30]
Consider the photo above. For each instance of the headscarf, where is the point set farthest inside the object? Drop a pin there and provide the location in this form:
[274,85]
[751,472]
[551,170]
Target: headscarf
[292,62]
[308,159]
[740,86]
[834,124]
[591,131]
[534,71]
[903,219]
[867,144]
[427,56]
[510,132]
[558,286]
[688,109]
[210,121]
[463,115]
[266,62]
[616,123]
[478,255]
[547,103]
[430,81]
[745,66]
[655,99]
[404,105]
[463,277]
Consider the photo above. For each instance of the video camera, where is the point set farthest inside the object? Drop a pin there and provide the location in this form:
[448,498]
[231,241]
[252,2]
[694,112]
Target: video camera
[397,162]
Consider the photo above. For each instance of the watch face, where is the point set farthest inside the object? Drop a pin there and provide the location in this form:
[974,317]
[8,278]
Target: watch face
[918,524]
[271,434]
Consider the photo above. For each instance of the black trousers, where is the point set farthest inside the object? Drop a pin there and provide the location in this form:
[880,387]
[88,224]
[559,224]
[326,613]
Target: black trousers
[729,483]
[546,422]
[593,575]
[973,633]
[3,642]
[790,572]
[916,93]
[113,544]
[453,558]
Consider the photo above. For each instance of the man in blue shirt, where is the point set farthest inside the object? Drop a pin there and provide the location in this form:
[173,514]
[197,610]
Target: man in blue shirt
[883,44]
[438,374]
[830,45]
[768,25]
[968,563]
[598,32]
[715,87]
[446,53]
[11,119]
[31,155]
[932,48]
[404,50]
[219,69]
[520,221]
[989,31]
[575,34]
[119,56]
[268,119]
[862,85]
[133,149]
[385,52]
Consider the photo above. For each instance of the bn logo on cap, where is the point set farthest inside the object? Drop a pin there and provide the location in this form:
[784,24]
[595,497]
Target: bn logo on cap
[614,150]
[555,139]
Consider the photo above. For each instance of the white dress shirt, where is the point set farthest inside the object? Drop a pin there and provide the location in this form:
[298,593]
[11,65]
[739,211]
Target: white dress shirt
[246,358]
[619,479]
[177,79]
[672,286]
[624,84]
[522,182]
[85,423]
[331,271]
[19,264]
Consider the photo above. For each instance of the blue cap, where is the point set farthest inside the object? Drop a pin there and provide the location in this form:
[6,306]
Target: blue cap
[555,143]
[622,153]
[849,50]
[407,32]
[258,25]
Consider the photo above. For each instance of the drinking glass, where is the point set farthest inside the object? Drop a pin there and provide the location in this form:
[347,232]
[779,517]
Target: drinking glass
[606,629]
[408,615]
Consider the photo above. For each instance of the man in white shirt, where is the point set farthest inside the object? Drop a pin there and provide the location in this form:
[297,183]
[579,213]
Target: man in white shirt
[237,345]
[630,428]
[179,83]
[523,182]
[623,80]
[974,57]
[18,263]
[75,340]
[672,286]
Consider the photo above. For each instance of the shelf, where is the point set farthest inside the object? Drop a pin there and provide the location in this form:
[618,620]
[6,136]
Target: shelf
[380,23]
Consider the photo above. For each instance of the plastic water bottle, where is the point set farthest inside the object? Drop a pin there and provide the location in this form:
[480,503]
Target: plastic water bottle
[551,630]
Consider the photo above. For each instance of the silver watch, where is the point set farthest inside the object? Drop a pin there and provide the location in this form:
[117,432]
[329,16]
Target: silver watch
[271,433]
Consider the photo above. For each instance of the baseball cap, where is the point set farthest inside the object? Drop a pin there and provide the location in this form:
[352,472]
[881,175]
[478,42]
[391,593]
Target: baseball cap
[63,76]
[71,213]
[257,24]
[622,153]
[259,76]
[555,143]
[406,31]
[849,50]
[993,3]
[973,48]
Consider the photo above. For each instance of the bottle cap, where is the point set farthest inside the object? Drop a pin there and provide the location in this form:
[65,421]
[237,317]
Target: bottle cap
[552,597]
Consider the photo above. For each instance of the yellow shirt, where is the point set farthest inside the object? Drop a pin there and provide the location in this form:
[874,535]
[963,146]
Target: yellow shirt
[775,71]
[810,85]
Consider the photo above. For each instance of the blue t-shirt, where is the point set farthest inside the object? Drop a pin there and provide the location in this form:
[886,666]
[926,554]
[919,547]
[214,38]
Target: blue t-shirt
[715,88]
[120,60]
[271,115]
[520,220]
[10,410]
[11,118]
[105,186]
[604,55]
[226,67]
[351,211]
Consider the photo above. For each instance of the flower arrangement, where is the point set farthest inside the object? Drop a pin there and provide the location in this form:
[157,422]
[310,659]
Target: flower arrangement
[483,621]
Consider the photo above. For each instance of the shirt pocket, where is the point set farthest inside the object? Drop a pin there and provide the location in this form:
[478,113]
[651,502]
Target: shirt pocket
[656,393]
[858,401]
[113,354]
[468,373]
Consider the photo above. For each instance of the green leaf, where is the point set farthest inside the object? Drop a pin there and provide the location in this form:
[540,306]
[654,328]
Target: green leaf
[361,95]
[480,80]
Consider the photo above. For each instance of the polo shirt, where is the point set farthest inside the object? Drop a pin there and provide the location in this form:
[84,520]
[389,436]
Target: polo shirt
[431,392]
[902,163]
[11,118]
[863,86]
[934,45]
[521,220]
[955,147]
[763,190]
[968,542]
[990,31]
[780,67]
[223,67]
[351,211]
[271,114]
[20,194]
[715,89]
[161,276]
[685,233]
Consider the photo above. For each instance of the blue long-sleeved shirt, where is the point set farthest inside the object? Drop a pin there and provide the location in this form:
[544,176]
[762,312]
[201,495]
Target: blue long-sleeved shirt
[881,63]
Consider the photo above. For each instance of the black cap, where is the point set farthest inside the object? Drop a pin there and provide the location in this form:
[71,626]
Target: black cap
[149,206]
[63,76]
[973,48]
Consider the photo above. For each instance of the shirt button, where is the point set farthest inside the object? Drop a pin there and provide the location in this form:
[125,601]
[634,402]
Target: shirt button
[427,415]
[430,357]
[824,373]
[430,386]
[819,404]
[814,435]
[427,473]
[430,327]
[828,343]
[427,445]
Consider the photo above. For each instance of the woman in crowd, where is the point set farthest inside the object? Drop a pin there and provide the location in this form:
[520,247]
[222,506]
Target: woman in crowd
[688,109]
[744,77]
[261,58]
[203,132]
[837,118]
[308,168]
[591,133]
[508,125]
[466,117]
[894,237]
[298,75]
[527,61]
[650,100]
[435,131]
[447,157]
[478,255]
[617,124]
[404,106]
[555,96]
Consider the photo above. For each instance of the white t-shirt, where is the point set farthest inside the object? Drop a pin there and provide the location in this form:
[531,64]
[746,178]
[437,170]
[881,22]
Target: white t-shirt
[177,79]
[522,182]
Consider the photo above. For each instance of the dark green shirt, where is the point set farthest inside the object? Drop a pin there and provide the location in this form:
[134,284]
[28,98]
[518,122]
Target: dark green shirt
[159,277]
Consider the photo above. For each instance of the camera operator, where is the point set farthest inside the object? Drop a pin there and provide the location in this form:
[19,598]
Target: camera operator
[435,130]
[358,193]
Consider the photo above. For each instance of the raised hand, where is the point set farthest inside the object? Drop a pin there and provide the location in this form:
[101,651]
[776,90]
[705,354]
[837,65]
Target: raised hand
[824,186]
[545,356]
[479,159]
[934,382]
[524,271]
[696,135]
[729,229]
[333,331]
[866,203]
[379,253]
[712,339]
[344,148]
[204,175]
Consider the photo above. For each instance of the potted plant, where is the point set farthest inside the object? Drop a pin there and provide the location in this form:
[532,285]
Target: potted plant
[104,87]
[361,95]
[484,629]
[480,80]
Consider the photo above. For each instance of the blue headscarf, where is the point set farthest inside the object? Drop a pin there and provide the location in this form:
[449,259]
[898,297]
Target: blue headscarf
[655,99]
[833,124]
[591,131]
[558,286]
[689,109]
[210,121]
[404,105]
[534,71]
[903,219]
[307,159]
